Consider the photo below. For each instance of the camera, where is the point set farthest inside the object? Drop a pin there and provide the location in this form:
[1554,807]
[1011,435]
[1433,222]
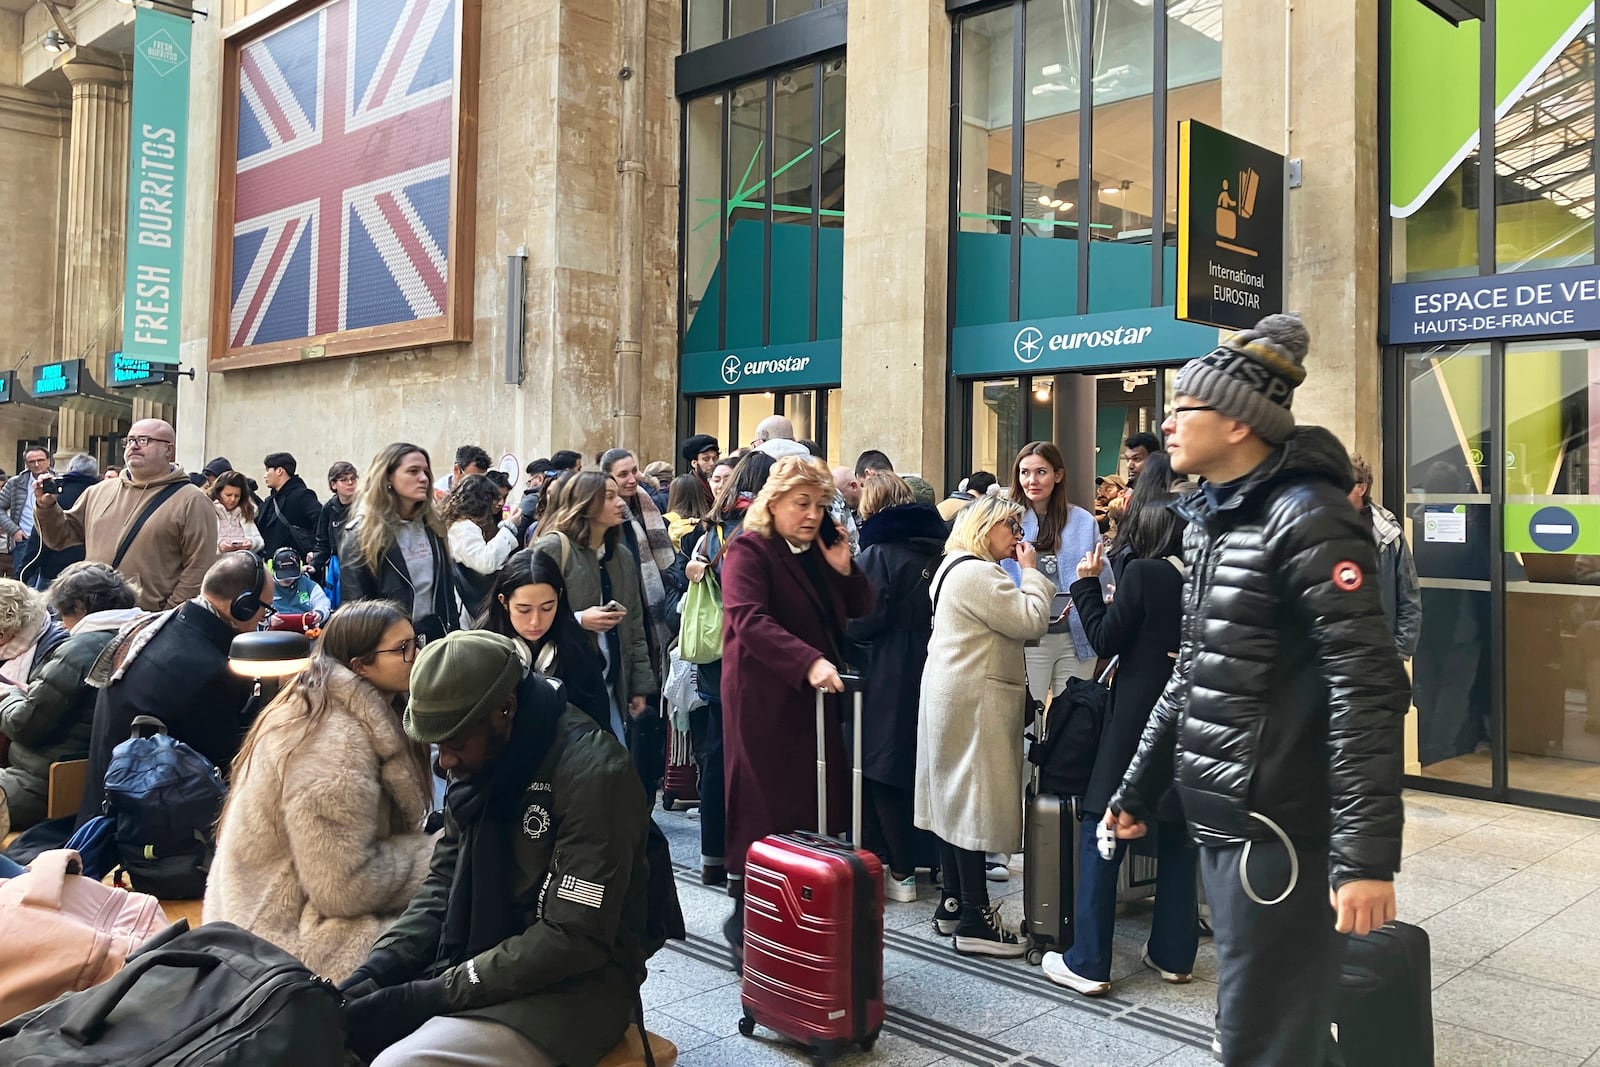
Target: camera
[49,485]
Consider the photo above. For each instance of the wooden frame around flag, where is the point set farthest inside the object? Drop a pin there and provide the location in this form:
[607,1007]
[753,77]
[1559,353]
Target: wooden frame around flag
[438,309]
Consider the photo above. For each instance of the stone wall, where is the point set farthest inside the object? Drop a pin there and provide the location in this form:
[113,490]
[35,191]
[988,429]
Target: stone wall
[548,147]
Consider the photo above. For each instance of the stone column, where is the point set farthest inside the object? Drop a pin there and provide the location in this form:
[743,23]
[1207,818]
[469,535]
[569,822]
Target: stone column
[896,235]
[97,212]
[1332,253]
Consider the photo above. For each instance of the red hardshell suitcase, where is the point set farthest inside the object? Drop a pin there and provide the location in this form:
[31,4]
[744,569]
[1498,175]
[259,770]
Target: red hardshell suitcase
[680,788]
[813,940]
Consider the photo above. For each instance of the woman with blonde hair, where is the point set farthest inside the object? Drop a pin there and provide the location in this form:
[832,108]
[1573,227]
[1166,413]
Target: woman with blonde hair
[236,513]
[395,545]
[581,532]
[789,588]
[974,712]
[320,846]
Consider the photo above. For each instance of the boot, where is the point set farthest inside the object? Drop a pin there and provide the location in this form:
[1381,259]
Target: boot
[733,925]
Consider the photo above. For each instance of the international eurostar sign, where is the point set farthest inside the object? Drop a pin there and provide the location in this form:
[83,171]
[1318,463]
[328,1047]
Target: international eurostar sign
[1230,228]
[812,365]
[157,159]
[1109,340]
[1532,304]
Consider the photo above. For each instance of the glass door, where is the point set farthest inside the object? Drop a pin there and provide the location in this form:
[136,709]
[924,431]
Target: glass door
[1448,522]
[1552,564]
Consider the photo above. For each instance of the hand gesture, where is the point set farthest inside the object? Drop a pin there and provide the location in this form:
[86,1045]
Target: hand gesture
[636,707]
[1092,563]
[838,554]
[597,620]
[824,675]
[1027,555]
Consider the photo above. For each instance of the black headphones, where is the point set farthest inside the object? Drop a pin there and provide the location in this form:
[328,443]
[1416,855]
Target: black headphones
[247,604]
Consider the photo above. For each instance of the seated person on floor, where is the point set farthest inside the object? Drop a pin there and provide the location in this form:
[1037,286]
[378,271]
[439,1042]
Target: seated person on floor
[321,846]
[174,666]
[49,718]
[293,590]
[526,943]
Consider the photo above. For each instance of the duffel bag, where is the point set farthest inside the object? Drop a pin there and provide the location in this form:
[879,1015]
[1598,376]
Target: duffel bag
[213,997]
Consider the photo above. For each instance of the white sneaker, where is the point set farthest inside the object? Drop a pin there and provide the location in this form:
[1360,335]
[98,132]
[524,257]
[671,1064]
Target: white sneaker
[998,867]
[1056,969]
[903,890]
[1166,976]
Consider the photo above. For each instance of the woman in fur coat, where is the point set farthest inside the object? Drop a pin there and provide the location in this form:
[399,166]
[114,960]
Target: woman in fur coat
[321,846]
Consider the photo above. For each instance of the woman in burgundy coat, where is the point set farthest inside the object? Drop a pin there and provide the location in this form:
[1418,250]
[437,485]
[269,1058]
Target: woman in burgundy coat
[786,598]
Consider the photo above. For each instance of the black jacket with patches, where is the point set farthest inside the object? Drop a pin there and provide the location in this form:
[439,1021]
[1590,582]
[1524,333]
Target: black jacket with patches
[579,877]
[1288,697]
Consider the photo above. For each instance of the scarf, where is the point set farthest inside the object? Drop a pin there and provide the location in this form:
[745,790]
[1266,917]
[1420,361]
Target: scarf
[17,653]
[481,910]
[656,553]
[120,652]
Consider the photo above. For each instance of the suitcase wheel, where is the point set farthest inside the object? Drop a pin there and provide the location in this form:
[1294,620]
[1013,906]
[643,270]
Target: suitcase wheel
[1035,956]
[825,1054]
[747,1024]
[868,1042]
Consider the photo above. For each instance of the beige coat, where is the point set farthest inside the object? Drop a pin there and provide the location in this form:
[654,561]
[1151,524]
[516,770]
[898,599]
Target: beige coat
[969,733]
[321,845]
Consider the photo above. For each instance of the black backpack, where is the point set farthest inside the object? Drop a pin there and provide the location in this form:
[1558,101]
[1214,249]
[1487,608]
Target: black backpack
[163,799]
[213,997]
[1065,755]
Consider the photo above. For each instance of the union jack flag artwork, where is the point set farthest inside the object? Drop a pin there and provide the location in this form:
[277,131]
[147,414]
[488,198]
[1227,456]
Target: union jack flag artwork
[342,207]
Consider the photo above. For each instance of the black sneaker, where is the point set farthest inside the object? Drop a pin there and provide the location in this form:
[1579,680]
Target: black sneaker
[980,933]
[947,916]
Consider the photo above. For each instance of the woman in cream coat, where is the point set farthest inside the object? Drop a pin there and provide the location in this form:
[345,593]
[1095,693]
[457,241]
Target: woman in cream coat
[320,846]
[969,735]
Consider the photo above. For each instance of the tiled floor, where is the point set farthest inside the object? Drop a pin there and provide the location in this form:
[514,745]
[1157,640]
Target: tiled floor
[1510,898]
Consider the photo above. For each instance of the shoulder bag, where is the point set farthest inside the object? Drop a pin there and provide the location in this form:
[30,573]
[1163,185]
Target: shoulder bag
[700,628]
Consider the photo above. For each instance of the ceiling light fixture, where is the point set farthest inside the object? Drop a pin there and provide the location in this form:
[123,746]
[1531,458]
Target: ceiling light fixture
[1044,201]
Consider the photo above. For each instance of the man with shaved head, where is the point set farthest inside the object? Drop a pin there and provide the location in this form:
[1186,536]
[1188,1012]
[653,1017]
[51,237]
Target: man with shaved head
[150,523]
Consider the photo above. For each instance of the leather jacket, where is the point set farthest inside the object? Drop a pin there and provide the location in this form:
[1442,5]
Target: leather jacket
[1288,697]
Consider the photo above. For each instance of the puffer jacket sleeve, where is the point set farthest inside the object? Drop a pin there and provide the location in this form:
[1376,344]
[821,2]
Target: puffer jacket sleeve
[1326,567]
[34,716]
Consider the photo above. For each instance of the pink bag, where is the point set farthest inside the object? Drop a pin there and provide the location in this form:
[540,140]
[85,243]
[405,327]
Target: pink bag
[61,932]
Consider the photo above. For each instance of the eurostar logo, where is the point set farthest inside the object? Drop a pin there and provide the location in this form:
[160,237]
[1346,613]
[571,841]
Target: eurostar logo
[1029,345]
[730,370]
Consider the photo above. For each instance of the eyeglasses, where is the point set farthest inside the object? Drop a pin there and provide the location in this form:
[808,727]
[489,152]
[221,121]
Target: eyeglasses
[408,648]
[144,442]
[1197,407]
[1015,527]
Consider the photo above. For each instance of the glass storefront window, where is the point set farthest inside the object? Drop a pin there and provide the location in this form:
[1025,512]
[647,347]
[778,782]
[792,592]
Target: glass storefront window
[747,199]
[984,211]
[1194,80]
[1120,187]
[1552,532]
[711,416]
[994,426]
[1544,162]
[1447,517]
[1055,203]
[753,407]
[703,215]
[794,148]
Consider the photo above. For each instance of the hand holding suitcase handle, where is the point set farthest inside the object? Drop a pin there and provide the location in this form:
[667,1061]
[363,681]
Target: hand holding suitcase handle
[849,683]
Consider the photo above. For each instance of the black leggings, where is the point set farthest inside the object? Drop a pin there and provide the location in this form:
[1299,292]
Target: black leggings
[887,828]
[964,874]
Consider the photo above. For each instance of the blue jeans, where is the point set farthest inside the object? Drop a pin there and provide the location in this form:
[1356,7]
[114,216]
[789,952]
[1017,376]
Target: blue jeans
[1174,935]
[10,868]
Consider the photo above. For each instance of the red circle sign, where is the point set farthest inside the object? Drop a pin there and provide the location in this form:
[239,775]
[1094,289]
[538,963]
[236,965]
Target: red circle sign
[1347,576]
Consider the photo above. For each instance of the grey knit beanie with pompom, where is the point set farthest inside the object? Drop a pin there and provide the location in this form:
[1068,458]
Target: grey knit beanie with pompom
[1252,376]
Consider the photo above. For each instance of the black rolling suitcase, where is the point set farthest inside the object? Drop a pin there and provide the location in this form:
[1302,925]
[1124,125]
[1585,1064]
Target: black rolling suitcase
[1384,1006]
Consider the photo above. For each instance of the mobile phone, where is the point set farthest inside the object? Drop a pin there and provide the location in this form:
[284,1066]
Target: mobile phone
[614,606]
[828,532]
[1059,604]
[50,486]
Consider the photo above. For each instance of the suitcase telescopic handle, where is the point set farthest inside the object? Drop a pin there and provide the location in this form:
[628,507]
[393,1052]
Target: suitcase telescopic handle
[852,684]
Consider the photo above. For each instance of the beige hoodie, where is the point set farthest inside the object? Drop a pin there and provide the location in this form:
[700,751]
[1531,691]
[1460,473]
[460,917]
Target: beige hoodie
[172,552]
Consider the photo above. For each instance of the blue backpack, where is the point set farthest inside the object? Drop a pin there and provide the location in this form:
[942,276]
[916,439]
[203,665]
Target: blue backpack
[163,800]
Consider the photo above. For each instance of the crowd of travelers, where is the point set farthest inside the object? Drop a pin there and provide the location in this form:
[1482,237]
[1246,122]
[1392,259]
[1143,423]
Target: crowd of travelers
[514,641]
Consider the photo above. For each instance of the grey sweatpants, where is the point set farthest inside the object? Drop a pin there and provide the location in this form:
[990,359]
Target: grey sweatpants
[1278,966]
[454,1041]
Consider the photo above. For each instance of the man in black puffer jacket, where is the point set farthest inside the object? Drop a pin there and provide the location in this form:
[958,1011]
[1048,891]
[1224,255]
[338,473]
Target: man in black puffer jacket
[1285,711]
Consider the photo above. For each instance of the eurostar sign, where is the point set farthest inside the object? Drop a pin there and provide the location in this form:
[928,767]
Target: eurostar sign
[1111,339]
[770,369]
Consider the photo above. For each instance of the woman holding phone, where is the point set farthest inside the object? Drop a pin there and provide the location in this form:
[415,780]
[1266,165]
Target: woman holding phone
[580,530]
